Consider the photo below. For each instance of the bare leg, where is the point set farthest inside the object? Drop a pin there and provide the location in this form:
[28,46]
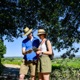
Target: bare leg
[46,76]
[32,69]
[21,77]
[40,76]
[32,78]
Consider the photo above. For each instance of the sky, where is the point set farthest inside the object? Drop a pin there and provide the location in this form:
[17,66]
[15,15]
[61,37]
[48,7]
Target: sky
[14,49]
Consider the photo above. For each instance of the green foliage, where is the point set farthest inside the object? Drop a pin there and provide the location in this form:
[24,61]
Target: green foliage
[65,63]
[65,74]
[60,18]
[67,55]
[2,48]
[16,61]
[65,69]
[9,20]
[2,52]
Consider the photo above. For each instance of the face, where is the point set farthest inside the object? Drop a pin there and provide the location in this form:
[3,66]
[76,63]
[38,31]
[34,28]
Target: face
[30,35]
[41,36]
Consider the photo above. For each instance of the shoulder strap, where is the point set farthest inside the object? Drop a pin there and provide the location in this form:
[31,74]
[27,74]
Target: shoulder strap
[46,45]
[50,56]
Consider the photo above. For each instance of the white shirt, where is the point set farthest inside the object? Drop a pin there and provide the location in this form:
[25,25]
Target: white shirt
[42,47]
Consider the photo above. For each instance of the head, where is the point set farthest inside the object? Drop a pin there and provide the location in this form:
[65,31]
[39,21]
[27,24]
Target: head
[27,32]
[41,33]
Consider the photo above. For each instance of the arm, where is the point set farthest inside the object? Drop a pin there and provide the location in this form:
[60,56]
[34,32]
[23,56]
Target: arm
[25,52]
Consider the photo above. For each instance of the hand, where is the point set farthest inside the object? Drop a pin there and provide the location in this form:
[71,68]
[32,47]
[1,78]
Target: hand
[29,51]
[35,49]
[38,52]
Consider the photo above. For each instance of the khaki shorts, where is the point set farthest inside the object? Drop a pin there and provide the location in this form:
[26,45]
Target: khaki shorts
[44,64]
[25,67]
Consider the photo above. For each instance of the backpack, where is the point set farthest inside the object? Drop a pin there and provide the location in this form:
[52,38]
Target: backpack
[50,56]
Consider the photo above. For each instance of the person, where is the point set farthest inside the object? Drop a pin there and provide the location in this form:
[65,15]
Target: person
[44,62]
[29,59]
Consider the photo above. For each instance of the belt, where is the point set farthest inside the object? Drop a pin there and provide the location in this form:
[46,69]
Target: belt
[30,60]
[43,55]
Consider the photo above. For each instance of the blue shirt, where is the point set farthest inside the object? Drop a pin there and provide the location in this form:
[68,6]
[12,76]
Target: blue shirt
[28,44]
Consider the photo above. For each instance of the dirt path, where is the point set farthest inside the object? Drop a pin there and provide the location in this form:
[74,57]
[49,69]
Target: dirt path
[11,72]
[11,65]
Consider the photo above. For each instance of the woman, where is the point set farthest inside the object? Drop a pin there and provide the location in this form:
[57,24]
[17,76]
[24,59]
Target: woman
[44,62]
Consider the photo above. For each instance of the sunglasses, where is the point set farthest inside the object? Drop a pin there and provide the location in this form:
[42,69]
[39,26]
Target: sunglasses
[39,35]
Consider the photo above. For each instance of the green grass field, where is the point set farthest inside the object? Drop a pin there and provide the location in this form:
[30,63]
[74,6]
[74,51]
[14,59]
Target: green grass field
[73,63]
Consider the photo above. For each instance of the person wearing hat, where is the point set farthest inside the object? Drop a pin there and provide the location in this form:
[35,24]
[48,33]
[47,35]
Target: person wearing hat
[29,55]
[44,62]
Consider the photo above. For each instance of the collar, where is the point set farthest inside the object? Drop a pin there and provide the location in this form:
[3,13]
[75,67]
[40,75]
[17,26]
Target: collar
[31,38]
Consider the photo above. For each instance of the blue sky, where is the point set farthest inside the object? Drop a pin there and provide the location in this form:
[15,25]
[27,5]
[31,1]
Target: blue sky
[14,49]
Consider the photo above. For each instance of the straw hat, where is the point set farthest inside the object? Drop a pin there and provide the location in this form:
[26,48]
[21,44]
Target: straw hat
[41,31]
[27,31]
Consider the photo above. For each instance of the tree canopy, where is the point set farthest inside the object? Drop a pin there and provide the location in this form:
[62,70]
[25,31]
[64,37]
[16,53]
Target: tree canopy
[60,18]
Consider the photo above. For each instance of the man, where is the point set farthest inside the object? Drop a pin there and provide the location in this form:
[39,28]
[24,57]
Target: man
[29,55]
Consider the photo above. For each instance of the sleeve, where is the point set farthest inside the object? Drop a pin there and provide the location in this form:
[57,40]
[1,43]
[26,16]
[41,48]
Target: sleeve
[23,44]
[38,43]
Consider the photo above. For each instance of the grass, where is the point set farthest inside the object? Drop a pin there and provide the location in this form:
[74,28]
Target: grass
[73,63]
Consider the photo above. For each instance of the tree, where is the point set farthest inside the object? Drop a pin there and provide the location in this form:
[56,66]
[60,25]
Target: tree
[60,18]
[8,20]
[2,50]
